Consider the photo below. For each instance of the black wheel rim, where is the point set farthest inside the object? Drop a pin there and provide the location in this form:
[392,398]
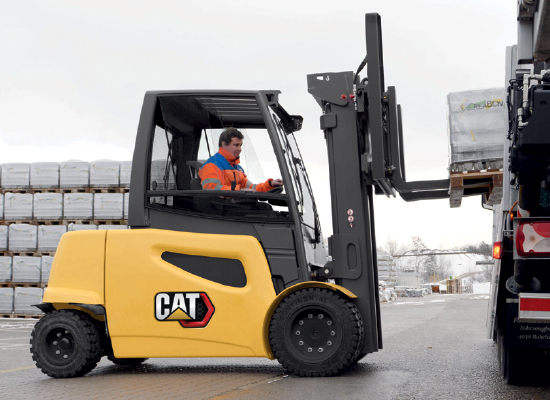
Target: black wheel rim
[313,334]
[60,346]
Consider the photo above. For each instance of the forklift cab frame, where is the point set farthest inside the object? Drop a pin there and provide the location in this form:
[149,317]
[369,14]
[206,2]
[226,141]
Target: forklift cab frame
[164,187]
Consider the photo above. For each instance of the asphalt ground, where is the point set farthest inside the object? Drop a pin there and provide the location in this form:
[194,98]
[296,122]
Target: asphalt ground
[434,348]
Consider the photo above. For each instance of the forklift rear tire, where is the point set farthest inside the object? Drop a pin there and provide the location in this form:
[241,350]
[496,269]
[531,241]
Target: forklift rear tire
[315,332]
[65,344]
[127,361]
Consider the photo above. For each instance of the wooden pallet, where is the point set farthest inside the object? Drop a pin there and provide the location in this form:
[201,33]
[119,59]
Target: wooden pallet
[26,253]
[14,285]
[490,179]
[25,316]
[30,190]
[40,222]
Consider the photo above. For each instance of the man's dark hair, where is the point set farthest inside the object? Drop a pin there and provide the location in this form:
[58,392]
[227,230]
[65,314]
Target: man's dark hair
[228,134]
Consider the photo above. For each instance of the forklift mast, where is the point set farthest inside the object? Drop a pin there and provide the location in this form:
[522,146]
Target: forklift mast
[362,125]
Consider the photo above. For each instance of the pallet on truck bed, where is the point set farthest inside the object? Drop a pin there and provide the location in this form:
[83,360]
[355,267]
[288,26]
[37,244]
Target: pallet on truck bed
[476,179]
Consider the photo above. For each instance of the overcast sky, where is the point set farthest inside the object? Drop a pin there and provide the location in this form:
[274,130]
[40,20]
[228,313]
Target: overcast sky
[73,75]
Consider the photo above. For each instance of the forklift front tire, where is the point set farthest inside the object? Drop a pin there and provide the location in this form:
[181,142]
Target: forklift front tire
[315,332]
[127,361]
[65,344]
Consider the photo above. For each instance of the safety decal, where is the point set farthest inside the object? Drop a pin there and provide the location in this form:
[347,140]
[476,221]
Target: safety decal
[191,309]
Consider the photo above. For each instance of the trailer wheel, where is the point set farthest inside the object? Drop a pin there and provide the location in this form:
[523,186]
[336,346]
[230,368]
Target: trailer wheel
[127,361]
[65,344]
[514,373]
[315,332]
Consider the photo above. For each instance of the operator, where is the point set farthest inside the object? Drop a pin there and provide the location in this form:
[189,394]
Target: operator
[223,172]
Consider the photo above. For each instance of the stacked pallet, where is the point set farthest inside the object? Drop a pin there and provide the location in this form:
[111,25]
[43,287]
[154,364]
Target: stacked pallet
[478,124]
[39,202]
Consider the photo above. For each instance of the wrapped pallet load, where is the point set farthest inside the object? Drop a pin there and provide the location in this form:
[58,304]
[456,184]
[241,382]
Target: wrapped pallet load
[105,173]
[4,237]
[6,300]
[5,268]
[74,173]
[81,227]
[25,298]
[126,204]
[478,120]
[18,206]
[15,175]
[49,236]
[78,206]
[26,269]
[125,173]
[45,175]
[22,237]
[45,268]
[48,206]
[1,206]
[108,205]
[111,227]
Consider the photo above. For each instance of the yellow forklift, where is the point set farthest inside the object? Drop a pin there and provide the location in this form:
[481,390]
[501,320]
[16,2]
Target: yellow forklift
[231,273]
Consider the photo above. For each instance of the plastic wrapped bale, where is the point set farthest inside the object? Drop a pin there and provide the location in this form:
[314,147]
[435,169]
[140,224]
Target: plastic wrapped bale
[22,237]
[111,227]
[478,122]
[81,227]
[4,237]
[48,206]
[125,173]
[45,175]
[18,206]
[78,206]
[158,175]
[26,269]
[5,268]
[16,175]
[6,300]
[108,205]
[74,173]
[1,206]
[49,236]
[45,268]
[25,298]
[104,173]
[126,204]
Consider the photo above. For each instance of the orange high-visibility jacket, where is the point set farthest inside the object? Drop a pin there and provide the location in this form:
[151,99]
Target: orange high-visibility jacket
[223,168]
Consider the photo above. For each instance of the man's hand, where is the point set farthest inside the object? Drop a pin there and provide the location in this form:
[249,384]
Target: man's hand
[276,182]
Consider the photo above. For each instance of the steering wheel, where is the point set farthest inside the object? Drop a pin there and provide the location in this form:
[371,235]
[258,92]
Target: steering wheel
[276,190]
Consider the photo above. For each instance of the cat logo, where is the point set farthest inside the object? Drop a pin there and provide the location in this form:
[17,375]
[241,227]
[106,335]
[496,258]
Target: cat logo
[192,310]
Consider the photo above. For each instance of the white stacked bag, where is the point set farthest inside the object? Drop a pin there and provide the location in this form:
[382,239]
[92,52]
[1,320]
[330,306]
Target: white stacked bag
[81,227]
[5,268]
[6,300]
[74,173]
[15,175]
[22,237]
[1,206]
[126,204]
[111,227]
[26,269]
[49,236]
[18,206]
[104,173]
[78,205]
[4,237]
[48,206]
[45,268]
[125,173]
[25,298]
[108,205]
[45,175]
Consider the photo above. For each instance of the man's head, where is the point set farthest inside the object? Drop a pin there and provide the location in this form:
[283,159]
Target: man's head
[231,140]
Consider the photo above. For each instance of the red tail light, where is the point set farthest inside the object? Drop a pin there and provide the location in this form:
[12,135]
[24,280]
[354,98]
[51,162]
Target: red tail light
[497,250]
[533,238]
